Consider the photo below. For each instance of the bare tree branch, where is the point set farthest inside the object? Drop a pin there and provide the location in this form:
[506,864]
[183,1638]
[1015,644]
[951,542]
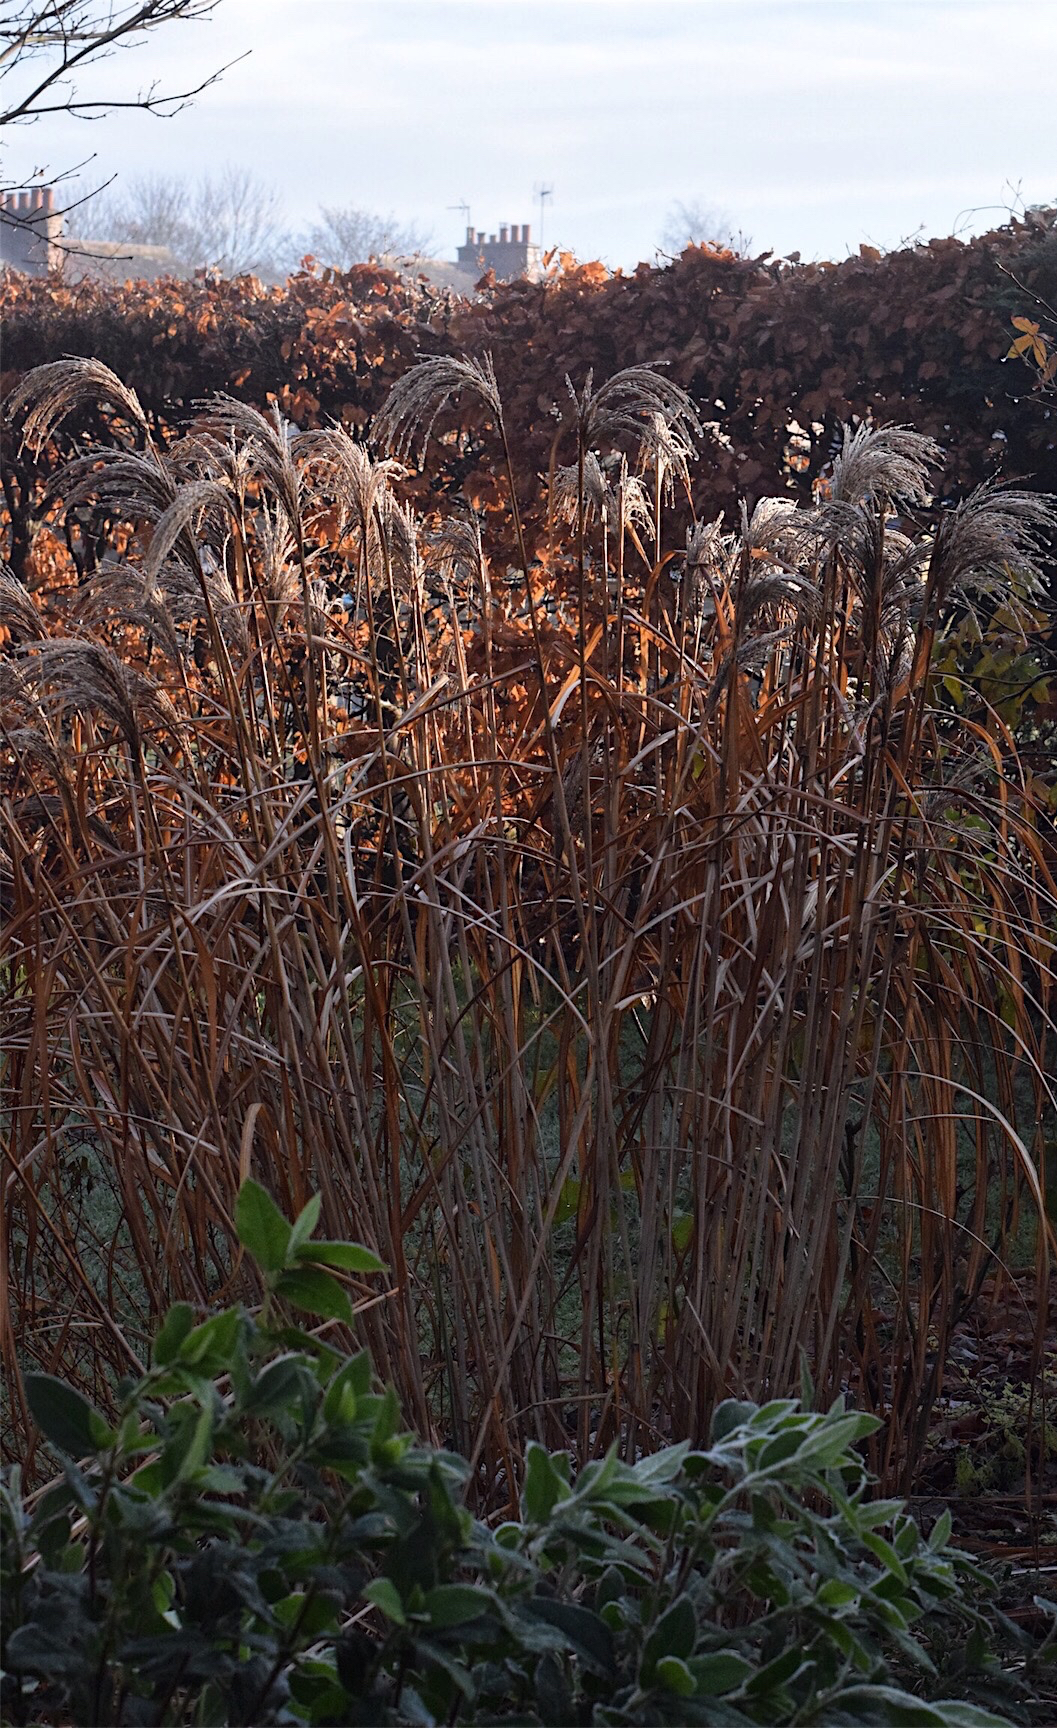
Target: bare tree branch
[53,42]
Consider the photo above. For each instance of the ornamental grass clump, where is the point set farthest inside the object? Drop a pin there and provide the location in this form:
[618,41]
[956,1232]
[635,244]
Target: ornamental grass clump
[630,946]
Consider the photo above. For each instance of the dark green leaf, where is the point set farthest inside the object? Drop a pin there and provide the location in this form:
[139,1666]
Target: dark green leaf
[941,1532]
[436,1656]
[870,1703]
[543,1487]
[65,1417]
[345,1390]
[959,1715]
[586,1633]
[172,1332]
[277,1382]
[611,1586]
[345,1256]
[779,1450]
[304,1224]
[208,1348]
[674,1635]
[676,1677]
[720,1672]
[728,1416]
[837,1593]
[383,1593]
[34,1649]
[552,1689]
[454,1604]
[826,1447]
[775,1674]
[261,1227]
[316,1292]
[885,1553]
[195,1439]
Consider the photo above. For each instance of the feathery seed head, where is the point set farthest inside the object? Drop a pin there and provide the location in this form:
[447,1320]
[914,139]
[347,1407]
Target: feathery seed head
[988,546]
[45,397]
[886,464]
[341,469]
[17,611]
[640,403]
[417,400]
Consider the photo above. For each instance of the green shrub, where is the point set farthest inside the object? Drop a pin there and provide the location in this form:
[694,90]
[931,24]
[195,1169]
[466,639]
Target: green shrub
[255,1541]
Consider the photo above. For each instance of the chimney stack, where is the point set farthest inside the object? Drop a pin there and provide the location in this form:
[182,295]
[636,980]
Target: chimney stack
[30,233]
[510,253]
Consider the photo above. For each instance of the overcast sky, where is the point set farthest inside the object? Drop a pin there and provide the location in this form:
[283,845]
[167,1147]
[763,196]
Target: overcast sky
[814,124]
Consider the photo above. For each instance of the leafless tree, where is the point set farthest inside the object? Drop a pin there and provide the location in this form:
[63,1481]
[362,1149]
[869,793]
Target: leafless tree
[148,210]
[230,221]
[346,236]
[697,224]
[236,223]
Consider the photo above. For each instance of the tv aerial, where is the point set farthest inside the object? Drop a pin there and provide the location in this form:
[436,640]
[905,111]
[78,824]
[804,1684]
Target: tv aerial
[464,207]
[541,193]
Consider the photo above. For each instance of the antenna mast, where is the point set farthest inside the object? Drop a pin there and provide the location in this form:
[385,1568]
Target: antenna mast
[541,193]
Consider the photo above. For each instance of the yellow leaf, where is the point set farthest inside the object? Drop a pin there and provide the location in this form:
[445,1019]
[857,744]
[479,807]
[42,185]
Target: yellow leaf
[1025,324]
[1038,350]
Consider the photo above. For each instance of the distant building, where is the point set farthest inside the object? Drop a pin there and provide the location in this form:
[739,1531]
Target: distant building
[30,231]
[511,253]
[32,241]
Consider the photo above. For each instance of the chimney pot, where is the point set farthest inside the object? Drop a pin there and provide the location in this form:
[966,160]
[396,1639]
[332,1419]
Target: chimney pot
[47,199]
[23,203]
[503,234]
[526,232]
[469,236]
[491,239]
[36,199]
